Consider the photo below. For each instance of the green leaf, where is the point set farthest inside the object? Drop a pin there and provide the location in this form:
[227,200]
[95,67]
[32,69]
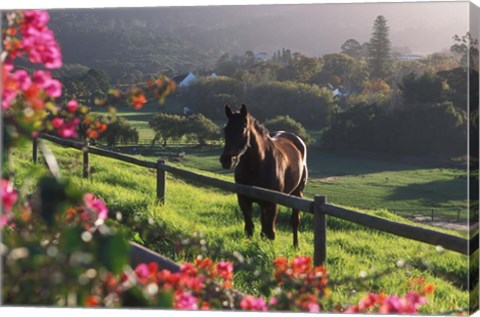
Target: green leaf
[164,300]
[114,252]
[134,298]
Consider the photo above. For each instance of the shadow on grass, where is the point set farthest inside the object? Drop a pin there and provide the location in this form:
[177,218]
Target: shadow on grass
[433,193]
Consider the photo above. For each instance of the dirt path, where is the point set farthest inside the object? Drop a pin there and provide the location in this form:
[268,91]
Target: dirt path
[459,226]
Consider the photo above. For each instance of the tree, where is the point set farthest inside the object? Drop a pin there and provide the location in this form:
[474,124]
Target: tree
[120,131]
[352,48]
[201,128]
[466,48]
[285,123]
[379,58]
[427,88]
[300,68]
[336,68]
[167,126]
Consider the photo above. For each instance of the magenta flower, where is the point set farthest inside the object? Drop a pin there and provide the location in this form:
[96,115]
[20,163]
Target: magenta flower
[313,307]
[225,270]
[36,18]
[185,300]
[57,123]
[142,271]
[23,79]
[69,129]
[38,40]
[9,198]
[72,105]
[96,205]
[44,80]
[251,303]
[9,86]
[9,195]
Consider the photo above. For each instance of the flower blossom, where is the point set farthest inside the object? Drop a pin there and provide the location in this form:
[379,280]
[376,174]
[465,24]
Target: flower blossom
[185,300]
[9,198]
[225,270]
[251,303]
[38,40]
[96,205]
[44,80]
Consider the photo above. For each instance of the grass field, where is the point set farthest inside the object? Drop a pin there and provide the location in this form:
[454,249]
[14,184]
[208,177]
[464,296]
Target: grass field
[405,189]
[359,259]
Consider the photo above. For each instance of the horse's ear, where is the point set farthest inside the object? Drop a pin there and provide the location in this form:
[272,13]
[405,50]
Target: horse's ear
[228,111]
[243,111]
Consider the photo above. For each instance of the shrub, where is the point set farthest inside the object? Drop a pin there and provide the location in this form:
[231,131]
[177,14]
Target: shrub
[201,128]
[285,123]
[167,126]
[120,131]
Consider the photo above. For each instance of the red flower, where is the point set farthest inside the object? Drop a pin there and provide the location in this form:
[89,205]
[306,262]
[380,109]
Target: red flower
[9,195]
[72,106]
[92,301]
[225,270]
[138,101]
[251,303]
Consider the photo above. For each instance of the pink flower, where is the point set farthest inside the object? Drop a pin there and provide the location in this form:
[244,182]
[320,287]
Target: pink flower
[72,105]
[313,307]
[57,123]
[142,271]
[43,79]
[36,18]
[251,303]
[23,79]
[97,205]
[301,264]
[225,270]
[38,40]
[9,198]
[9,195]
[9,86]
[69,129]
[185,300]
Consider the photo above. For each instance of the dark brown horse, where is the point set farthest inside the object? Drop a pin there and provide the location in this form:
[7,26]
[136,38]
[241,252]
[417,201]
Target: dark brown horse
[276,161]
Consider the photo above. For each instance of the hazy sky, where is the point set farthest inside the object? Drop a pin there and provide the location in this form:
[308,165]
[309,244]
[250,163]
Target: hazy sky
[423,27]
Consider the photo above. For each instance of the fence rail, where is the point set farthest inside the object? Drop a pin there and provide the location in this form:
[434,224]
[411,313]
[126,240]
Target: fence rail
[318,207]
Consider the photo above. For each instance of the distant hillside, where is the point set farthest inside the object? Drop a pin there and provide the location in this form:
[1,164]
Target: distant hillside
[145,41]
[126,51]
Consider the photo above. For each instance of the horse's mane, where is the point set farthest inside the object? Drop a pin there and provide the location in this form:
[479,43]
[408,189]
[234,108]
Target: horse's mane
[261,129]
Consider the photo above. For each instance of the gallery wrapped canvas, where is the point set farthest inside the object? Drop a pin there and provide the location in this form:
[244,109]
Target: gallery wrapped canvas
[316,158]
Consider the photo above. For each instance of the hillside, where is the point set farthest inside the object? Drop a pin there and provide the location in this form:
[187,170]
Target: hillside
[198,220]
[172,40]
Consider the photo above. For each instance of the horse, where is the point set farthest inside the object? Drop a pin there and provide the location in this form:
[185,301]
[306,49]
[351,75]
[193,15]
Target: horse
[275,161]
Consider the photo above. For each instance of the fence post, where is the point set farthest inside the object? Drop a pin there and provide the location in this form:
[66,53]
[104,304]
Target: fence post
[86,168]
[161,181]
[35,150]
[319,231]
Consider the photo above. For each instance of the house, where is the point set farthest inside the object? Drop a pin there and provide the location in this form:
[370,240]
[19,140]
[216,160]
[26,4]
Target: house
[262,57]
[184,80]
[405,58]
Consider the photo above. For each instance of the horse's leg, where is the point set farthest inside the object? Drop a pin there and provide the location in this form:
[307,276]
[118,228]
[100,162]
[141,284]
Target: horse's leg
[269,214]
[246,207]
[295,220]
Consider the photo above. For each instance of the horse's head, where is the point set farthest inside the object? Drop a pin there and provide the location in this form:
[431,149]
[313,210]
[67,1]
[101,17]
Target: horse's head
[237,136]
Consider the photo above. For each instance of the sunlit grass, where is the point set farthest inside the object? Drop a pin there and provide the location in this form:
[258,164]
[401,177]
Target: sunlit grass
[190,209]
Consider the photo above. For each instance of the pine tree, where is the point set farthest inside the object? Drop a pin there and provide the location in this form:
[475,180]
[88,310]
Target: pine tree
[379,59]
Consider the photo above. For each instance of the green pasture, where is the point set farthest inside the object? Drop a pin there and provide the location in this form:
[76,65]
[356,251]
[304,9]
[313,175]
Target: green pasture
[370,184]
[359,259]
[404,189]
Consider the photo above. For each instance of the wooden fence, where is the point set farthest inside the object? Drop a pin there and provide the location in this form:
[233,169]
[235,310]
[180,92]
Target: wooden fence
[318,207]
